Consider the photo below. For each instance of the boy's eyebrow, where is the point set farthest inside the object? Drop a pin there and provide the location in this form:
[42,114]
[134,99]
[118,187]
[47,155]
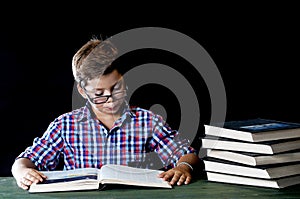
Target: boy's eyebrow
[118,81]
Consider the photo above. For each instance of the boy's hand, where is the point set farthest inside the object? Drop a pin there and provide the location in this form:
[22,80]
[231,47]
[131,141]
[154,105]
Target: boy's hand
[28,176]
[178,175]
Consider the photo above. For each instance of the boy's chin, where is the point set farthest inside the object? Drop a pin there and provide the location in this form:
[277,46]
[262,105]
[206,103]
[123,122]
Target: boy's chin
[109,110]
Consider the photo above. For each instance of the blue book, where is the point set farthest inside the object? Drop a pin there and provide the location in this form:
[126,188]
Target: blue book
[254,130]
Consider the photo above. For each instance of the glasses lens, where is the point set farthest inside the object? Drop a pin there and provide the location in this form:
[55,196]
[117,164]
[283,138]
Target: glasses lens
[119,94]
[99,100]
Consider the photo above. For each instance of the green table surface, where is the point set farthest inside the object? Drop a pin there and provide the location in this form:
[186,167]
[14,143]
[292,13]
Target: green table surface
[199,188]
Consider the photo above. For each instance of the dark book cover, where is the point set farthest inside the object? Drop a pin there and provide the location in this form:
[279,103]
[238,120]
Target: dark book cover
[259,125]
[269,143]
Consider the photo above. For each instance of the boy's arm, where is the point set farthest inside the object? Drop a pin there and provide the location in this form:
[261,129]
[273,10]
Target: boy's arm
[25,173]
[182,173]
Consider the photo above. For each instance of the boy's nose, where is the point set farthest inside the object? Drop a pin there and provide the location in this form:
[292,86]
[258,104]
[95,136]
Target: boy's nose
[107,92]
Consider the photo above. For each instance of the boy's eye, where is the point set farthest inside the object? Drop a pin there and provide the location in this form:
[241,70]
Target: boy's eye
[117,86]
[98,93]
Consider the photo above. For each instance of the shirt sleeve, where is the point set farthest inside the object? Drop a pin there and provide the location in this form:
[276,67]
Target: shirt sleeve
[45,150]
[168,143]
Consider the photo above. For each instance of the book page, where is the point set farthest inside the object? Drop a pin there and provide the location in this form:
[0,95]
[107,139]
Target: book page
[70,173]
[121,174]
[68,180]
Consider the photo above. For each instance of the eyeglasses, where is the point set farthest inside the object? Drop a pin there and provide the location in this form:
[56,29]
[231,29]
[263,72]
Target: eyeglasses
[101,99]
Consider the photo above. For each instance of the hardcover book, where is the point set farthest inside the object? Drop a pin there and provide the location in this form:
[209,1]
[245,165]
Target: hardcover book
[265,171]
[267,147]
[242,180]
[93,178]
[254,130]
[257,152]
[254,159]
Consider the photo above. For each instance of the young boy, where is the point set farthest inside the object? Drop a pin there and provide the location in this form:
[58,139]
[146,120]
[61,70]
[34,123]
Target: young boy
[106,130]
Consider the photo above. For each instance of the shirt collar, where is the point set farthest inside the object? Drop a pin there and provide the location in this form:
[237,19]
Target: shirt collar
[126,116]
[86,113]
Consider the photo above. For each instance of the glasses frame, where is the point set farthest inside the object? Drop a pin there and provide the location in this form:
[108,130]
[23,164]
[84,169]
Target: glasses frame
[105,96]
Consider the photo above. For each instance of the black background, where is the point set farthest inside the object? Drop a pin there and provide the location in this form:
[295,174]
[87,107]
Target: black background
[256,51]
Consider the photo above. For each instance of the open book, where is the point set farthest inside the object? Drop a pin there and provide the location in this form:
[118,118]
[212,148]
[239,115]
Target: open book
[92,178]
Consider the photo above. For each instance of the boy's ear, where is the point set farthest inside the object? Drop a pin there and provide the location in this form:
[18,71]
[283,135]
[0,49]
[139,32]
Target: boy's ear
[81,91]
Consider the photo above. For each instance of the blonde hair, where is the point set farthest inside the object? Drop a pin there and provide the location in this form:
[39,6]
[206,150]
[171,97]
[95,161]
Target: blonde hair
[93,59]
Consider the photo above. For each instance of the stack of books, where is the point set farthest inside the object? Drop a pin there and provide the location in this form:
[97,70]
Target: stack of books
[256,152]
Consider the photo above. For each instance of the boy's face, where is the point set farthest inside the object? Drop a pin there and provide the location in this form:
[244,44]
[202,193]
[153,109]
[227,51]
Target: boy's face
[106,93]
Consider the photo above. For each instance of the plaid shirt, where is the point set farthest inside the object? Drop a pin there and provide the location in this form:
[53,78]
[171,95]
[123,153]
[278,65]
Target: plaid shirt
[85,142]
